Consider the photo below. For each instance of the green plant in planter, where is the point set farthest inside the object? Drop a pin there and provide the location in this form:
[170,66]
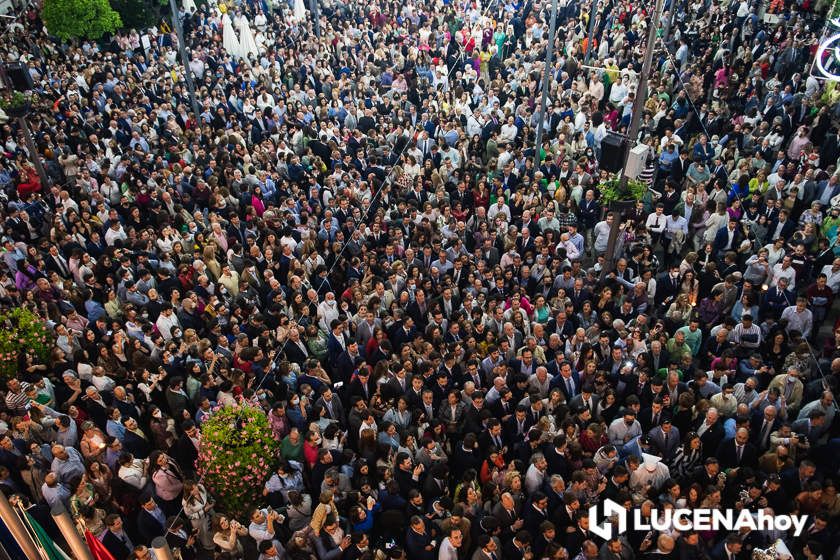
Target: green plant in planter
[16,104]
[611,190]
[236,456]
[22,330]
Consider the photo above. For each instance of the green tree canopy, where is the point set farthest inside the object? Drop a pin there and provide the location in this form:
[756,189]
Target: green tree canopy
[80,19]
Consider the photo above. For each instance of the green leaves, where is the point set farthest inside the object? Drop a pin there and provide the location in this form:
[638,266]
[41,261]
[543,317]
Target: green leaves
[236,456]
[80,19]
[611,192]
[22,330]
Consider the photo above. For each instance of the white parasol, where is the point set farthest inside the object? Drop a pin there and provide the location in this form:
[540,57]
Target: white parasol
[229,39]
[247,43]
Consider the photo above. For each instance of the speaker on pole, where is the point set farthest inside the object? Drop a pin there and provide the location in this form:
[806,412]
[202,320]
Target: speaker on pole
[20,77]
[613,151]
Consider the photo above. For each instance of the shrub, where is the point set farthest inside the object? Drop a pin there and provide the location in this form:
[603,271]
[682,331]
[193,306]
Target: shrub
[236,456]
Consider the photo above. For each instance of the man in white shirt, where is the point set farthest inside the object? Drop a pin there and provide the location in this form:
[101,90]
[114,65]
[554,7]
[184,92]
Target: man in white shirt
[509,131]
[784,270]
[601,231]
[499,208]
[655,223]
[832,274]
[571,250]
[450,545]
[799,317]
[166,320]
[676,228]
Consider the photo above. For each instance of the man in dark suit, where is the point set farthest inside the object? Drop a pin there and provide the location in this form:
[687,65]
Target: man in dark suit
[578,294]
[728,238]
[333,409]
[491,436]
[781,228]
[56,262]
[653,416]
[347,362]
[419,538]
[178,538]
[567,380]
[738,452]
[666,438]
[517,426]
[679,167]
[448,303]
[294,349]
[710,430]
[507,514]
[727,549]
[184,450]
[418,310]
[115,538]
[762,424]
[489,253]
[667,286]
[150,520]
[515,548]
[336,341]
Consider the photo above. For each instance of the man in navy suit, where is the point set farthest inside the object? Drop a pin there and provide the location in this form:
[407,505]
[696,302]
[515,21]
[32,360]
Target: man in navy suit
[666,438]
[762,424]
[727,238]
[738,452]
[567,380]
[781,228]
[336,343]
[728,549]
[151,520]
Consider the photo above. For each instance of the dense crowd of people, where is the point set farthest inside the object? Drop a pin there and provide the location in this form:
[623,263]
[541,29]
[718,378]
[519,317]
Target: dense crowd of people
[358,234]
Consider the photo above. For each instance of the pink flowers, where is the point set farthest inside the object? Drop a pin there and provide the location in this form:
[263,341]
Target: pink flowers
[234,463]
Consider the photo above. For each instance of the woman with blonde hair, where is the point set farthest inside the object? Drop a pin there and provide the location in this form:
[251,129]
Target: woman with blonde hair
[209,257]
[680,310]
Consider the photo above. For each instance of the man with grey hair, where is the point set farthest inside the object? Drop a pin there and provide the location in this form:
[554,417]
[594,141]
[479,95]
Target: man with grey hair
[536,473]
[540,381]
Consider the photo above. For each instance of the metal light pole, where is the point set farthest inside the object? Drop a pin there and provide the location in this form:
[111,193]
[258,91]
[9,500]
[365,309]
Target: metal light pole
[633,132]
[641,91]
[65,524]
[161,549]
[593,11]
[549,57]
[16,528]
[27,134]
[182,50]
[316,16]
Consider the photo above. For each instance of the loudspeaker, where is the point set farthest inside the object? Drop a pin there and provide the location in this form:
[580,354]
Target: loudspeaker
[20,77]
[613,150]
[636,161]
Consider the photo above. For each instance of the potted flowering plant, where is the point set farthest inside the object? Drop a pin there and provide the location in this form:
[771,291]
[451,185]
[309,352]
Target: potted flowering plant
[236,456]
[17,104]
[611,191]
[22,330]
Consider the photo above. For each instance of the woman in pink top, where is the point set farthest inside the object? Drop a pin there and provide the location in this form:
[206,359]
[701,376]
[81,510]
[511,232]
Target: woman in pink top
[168,480]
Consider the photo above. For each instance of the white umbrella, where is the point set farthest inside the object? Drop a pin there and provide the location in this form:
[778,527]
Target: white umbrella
[247,43]
[229,39]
